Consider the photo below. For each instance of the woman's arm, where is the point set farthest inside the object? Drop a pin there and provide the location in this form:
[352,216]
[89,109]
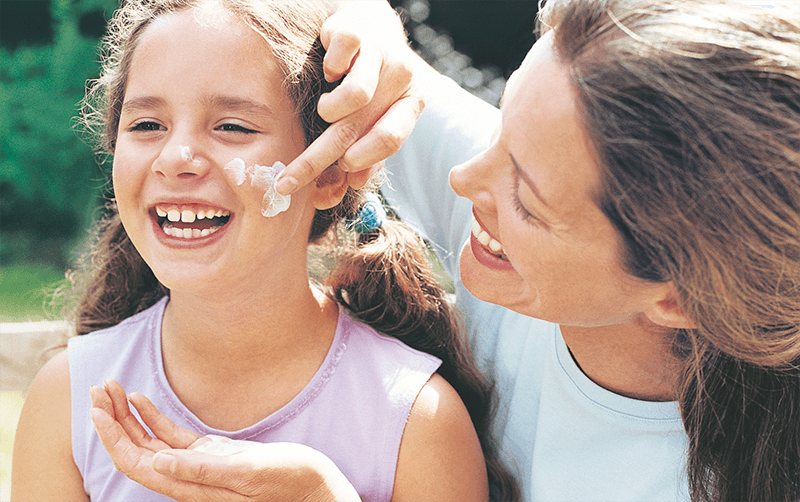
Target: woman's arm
[43,468]
[440,454]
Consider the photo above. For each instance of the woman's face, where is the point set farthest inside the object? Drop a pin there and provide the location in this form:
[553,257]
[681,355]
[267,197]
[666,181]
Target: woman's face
[540,245]
[200,94]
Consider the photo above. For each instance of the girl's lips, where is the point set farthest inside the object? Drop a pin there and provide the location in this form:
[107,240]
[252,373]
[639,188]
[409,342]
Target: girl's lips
[486,249]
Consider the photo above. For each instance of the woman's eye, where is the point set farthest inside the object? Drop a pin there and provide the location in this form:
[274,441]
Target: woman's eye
[146,126]
[520,208]
[235,128]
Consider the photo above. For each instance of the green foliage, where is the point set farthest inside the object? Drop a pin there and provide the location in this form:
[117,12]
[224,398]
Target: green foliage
[50,181]
[26,293]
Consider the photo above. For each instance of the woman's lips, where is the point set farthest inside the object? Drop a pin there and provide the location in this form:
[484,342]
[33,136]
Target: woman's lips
[486,249]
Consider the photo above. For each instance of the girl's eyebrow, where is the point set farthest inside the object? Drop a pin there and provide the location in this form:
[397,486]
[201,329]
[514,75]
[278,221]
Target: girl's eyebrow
[142,103]
[216,101]
[239,104]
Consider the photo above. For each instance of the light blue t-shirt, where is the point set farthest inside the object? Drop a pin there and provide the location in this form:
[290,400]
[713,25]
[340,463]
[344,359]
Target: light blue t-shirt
[564,437]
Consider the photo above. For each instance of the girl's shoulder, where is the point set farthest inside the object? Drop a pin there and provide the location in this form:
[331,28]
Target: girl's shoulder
[43,465]
[368,344]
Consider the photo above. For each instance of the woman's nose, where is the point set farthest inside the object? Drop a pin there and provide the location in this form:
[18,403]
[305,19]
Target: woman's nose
[181,160]
[473,180]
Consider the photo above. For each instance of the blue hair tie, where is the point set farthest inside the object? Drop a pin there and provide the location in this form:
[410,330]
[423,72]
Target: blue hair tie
[371,216]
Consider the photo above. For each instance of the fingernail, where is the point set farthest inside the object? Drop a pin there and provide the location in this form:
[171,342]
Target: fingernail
[93,392]
[164,463]
[286,185]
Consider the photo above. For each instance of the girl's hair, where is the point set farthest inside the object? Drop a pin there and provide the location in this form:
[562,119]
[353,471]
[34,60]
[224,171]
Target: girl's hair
[384,277]
[694,110]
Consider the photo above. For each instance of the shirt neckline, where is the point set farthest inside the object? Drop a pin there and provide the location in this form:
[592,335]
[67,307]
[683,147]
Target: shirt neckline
[274,420]
[661,411]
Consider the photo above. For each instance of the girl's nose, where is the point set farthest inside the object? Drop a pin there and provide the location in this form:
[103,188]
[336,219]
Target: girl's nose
[473,179]
[181,161]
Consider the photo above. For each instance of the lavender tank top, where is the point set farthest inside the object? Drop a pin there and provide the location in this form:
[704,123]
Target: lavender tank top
[354,409]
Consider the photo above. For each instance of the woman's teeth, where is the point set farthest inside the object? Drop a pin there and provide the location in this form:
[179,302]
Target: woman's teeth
[193,224]
[484,238]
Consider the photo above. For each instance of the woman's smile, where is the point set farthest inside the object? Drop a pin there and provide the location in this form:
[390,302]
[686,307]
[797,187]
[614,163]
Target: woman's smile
[487,250]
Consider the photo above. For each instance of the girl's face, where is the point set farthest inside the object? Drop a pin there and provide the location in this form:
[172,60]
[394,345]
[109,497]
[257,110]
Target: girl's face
[204,90]
[555,255]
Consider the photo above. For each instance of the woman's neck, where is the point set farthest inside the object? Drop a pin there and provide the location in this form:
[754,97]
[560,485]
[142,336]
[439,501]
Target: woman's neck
[635,359]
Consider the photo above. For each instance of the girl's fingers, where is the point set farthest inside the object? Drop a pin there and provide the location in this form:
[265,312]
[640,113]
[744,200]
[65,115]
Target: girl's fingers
[127,456]
[165,429]
[133,428]
[100,399]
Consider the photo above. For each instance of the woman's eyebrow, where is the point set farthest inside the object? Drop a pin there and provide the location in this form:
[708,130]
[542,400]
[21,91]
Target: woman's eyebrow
[528,181]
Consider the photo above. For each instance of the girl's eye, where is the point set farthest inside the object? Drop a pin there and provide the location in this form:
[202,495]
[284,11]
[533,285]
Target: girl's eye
[146,125]
[235,128]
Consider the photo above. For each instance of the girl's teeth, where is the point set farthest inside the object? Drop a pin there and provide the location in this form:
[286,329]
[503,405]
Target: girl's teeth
[484,238]
[189,215]
[188,233]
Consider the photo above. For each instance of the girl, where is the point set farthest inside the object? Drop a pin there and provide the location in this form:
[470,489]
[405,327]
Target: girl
[197,291]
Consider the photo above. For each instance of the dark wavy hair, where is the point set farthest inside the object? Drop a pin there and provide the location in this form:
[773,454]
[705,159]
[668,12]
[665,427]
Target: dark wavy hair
[694,110]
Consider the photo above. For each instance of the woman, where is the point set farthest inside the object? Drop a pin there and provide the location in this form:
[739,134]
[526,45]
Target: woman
[642,197]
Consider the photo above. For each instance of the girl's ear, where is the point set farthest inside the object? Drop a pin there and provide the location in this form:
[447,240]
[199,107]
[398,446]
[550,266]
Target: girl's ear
[666,311]
[330,187]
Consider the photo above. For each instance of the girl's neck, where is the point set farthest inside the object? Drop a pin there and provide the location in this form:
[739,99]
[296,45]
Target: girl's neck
[252,353]
[249,325]
[634,359]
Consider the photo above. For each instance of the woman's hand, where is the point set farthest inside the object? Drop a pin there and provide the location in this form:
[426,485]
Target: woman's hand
[376,106]
[168,465]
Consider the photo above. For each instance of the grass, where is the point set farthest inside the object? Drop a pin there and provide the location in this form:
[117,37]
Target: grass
[24,292]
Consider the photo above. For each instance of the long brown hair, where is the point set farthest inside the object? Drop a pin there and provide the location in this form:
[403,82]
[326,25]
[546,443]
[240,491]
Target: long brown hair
[384,277]
[694,110]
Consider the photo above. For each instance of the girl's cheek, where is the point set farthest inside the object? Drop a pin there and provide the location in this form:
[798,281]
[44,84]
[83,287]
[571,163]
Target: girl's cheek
[262,178]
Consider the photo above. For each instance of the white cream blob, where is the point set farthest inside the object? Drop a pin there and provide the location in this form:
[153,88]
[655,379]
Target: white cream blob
[186,153]
[220,445]
[262,178]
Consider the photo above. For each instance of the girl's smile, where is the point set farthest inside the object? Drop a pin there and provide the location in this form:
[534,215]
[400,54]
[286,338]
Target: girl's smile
[188,222]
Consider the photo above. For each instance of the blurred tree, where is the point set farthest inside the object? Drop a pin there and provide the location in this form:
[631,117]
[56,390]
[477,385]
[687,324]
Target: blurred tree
[49,179]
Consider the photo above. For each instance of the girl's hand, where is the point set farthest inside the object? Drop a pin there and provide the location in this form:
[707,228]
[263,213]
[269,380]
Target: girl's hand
[167,464]
[376,106]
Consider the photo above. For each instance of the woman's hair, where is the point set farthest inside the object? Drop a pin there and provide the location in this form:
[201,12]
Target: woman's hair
[383,277]
[694,111]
